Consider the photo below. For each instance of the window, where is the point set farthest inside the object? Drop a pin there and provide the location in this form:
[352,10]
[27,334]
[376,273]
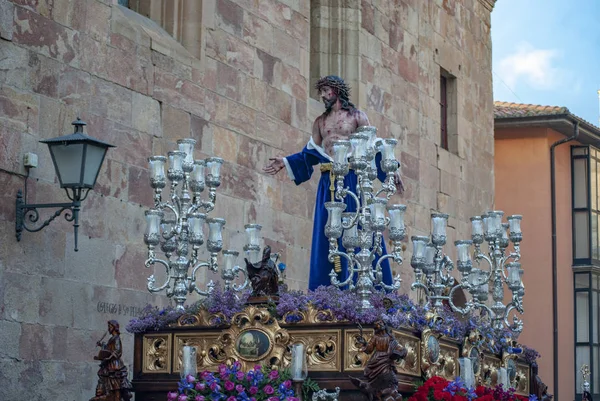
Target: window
[448,112]
[587,316]
[585,171]
[182,19]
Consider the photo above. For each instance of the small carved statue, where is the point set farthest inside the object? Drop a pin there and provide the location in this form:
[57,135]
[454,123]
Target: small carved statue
[323,395]
[538,388]
[113,384]
[381,382]
[263,275]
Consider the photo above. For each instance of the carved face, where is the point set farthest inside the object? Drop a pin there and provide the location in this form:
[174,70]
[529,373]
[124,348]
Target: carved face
[248,340]
[328,95]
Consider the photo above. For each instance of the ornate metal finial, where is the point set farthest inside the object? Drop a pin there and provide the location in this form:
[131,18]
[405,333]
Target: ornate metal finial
[78,124]
[585,372]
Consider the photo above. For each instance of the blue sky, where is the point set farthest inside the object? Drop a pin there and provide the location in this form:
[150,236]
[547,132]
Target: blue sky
[548,52]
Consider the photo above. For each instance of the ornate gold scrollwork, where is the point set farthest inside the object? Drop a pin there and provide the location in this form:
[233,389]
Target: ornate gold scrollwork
[472,349]
[490,370]
[522,379]
[156,349]
[438,359]
[201,319]
[310,316]
[410,365]
[322,349]
[518,373]
[355,360]
[254,337]
[209,354]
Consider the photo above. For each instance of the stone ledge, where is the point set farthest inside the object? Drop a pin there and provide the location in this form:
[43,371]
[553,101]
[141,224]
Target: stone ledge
[488,4]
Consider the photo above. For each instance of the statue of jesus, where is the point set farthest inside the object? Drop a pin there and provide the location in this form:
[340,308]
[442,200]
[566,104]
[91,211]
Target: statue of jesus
[340,119]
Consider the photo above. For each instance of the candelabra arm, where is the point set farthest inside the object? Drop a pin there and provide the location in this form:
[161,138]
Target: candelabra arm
[517,325]
[211,287]
[152,280]
[395,280]
[198,266]
[333,276]
[469,305]
[242,287]
[416,285]
[175,212]
[389,187]
[480,256]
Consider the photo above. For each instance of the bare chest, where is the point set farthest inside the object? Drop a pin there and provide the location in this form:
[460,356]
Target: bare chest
[336,127]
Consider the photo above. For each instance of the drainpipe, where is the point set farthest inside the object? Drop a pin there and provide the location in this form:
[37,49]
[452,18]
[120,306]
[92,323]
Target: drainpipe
[554,261]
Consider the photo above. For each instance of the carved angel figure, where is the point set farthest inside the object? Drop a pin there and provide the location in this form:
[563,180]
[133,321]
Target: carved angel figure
[263,275]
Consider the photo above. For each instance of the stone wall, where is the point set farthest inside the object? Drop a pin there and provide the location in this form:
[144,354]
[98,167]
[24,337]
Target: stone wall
[241,88]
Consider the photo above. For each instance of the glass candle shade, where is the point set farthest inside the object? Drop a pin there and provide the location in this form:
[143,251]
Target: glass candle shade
[514,227]
[358,159]
[514,273]
[195,226]
[175,171]
[503,235]
[156,165]
[377,208]
[371,133]
[463,256]
[187,146]
[418,257]
[298,368]
[397,230]
[484,292]
[429,266]
[152,235]
[477,229]
[350,235]
[439,221]
[229,258]
[495,223]
[340,157]
[372,170]
[188,362]
[213,171]
[389,163]
[215,235]
[333,228]
[253,234]
[197,177]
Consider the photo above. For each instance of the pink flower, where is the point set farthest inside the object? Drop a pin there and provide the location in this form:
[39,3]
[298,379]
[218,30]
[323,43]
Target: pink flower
[292,399]
[182,397]
[240,375]
[268,389]
[274,374]
[229,385]
[214,386]
[172,396]
[252,399]
[205,374]
[253,390]
[287,384]
[237,365]
[199,398]
[190,379]
[222,370]
[273,399]
[232,398]
[239,388]
[200,386]
[257,367]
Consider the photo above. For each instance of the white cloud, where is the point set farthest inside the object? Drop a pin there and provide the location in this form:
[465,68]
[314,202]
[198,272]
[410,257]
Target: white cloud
[534,67]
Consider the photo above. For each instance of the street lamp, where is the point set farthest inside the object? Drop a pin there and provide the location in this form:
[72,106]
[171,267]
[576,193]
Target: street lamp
[77,160]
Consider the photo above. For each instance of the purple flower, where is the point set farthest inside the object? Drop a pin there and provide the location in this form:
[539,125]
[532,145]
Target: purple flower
[172,396]
[257,368]
[292,399]
[274,374]
[229,385]
[200,386]
[231,398]
[287,384]
[199,398]
[253,390]
[239,375]
[182,397]
[214,386]
[273,399]
[190,378]
[268,389]
[239,388]
[222,370]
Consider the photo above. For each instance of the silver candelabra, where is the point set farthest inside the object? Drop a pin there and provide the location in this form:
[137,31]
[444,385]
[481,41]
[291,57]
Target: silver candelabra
[432,267]
[362,230]
[177,224]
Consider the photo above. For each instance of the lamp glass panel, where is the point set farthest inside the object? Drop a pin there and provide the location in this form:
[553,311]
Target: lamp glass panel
[93,161]
[582,232]
[67,159]
[583,321]
[582,356]
[580,183]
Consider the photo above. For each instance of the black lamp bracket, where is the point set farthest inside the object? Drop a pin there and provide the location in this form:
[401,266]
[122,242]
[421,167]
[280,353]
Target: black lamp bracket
[28,213]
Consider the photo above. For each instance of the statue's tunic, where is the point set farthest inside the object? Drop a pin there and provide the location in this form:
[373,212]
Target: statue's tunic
[299,167]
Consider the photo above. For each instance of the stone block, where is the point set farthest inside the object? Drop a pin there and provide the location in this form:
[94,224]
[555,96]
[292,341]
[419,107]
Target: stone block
[167,63]
[146,114]
[45,36]
[112,180]
[179,93]
[228,81]
[266,66]
[278,14]
[252,153]
[410,166]
[299,115]
[241,119]
[280,105]
[129,269]
[269,130]
[6,19]
[368,17]
[253,92]
[202,132]
[232,209]
[175,123]
[217,106]
[231,50]
[240,182]
[139,191]
[285,47]
[293,82]
[19,109]
[229,17]
[97,22]
[225,144]
[111,101]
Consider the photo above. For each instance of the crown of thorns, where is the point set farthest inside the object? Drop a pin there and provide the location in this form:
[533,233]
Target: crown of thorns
[336,83]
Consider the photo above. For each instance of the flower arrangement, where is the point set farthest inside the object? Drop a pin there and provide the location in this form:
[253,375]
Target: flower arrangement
[232,384]
[344,306]
[440,389]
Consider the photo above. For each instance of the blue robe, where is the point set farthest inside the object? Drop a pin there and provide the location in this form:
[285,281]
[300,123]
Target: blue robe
[300,167]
